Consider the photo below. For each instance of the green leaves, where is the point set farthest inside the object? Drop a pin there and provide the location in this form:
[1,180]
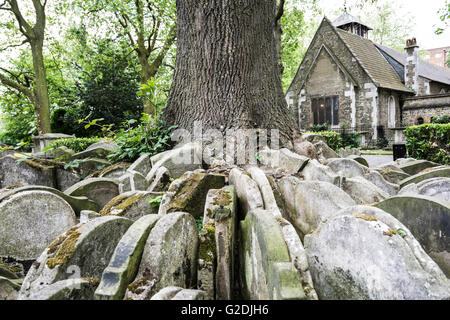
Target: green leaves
[429,142]
[155,202]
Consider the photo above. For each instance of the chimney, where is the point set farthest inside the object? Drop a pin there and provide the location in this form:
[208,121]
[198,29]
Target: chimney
[412,65]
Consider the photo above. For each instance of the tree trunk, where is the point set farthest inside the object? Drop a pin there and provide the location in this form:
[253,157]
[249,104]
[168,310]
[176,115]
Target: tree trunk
[146,75]
[227,72]
[42,104]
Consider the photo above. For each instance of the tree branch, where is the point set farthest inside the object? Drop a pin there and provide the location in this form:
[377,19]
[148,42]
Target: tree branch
[17,86]
[171,37]
[24,27]
[280,11]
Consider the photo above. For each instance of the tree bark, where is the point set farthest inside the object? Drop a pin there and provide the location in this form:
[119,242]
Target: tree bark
[35,36]
[227,72]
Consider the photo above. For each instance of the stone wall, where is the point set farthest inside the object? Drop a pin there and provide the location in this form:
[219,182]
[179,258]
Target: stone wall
[425,107]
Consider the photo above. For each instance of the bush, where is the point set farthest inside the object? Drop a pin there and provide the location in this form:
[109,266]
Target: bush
[151,137]
[429,142]
[319,128]
[441,119]
[350,139]
[333,139]
[76,144]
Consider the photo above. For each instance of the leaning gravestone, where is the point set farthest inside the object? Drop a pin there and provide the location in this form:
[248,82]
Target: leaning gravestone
[429,221]
[99,190]
[310,202]
[442,172]
[416,166]
[70,289]
[83,251]
[131,205]
[78,204]
[356,255]
[169,257]
[188,193]
[26,172]
[30,221]
[124,263]
[266,269]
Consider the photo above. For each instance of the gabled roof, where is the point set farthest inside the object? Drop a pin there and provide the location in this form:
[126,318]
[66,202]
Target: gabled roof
[426,70]
[346,18]
[376,66]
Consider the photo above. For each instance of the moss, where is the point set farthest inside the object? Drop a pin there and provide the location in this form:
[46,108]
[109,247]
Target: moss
[390,233]
[11,269]
[93,282]
[128,202]
[222,198]
[207,247]
[365,217]
[186,191]
[17,186]
[64,247]
[137,287]
[124,165]
[38,164]
[114,202]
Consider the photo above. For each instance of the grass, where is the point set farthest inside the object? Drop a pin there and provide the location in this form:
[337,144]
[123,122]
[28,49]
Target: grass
[376,152]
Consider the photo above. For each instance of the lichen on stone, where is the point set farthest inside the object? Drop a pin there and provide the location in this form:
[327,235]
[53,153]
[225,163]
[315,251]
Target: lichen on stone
[114,202]
[17,186]
[207,247]
[222,198]
[92,281]
[365,217]
[64,247]
[390,233]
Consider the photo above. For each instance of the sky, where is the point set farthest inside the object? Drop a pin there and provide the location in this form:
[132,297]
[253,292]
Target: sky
[425,15]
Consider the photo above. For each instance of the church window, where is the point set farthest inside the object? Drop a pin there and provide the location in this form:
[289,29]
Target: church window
[325,110]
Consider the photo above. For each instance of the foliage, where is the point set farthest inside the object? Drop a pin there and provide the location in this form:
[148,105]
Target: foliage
[444,16]
[429,142]
[319,127]
[333,139]
[382,142]
[151,137]
[108,90]
[18,117]
[76,144]
[298,31]
[350,139]
[441,119]
[155,202]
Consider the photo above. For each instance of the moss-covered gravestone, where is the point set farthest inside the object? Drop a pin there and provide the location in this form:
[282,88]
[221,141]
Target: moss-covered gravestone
[124,264]
[83,251]
[169,258]
[265,266]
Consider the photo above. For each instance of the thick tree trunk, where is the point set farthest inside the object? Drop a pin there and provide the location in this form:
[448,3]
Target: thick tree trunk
[227,72]
[42,104]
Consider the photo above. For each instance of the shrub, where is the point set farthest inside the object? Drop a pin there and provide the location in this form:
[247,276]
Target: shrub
[333,139]
[429,142]
[151,137]
[319,128]
[76,144]
[441,119]
[350,139]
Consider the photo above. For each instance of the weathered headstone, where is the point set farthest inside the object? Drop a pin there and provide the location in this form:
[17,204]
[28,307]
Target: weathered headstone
[131,205]
[188,193]
[70,289]
[169,257]
[265,267]
[99,190]
[439,173]
[363,191]
[83,251]
[429,221]
[416,166]
[30,221]
[310,202]
[124,263]
[358,256]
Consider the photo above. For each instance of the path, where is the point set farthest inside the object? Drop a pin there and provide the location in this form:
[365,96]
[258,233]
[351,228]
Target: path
[375,161]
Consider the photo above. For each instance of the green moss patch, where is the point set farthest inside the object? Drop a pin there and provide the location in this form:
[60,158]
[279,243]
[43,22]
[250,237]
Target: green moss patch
[207,247]
[114,202]
[64,247]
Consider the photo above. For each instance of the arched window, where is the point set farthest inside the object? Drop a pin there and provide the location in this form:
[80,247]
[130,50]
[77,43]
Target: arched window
[391,112]
[420,121]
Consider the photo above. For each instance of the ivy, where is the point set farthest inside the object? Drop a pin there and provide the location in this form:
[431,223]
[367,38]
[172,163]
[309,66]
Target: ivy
[429,142]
